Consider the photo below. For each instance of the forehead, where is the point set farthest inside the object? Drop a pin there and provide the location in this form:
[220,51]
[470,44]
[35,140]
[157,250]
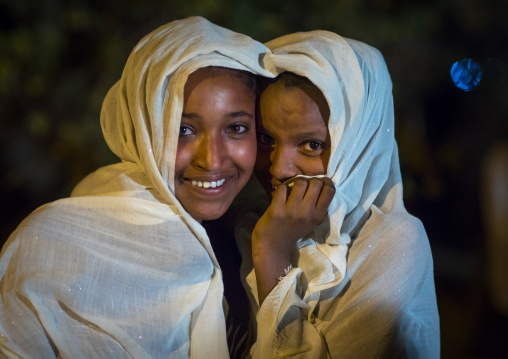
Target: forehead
[291,110]
[220,76]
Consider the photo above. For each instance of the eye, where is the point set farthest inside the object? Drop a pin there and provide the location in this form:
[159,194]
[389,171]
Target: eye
[312,146]
[264,139]
[237,129]
[185,130]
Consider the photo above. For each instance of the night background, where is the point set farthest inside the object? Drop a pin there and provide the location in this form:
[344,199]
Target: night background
[59,58]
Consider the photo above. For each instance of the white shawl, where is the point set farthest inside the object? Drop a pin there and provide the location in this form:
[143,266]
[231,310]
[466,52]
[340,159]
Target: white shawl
[120,270]
[362,283]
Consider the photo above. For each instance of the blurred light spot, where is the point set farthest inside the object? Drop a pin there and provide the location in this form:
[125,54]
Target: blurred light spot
[22,45]
[38,123]
[71,134]
[466,74]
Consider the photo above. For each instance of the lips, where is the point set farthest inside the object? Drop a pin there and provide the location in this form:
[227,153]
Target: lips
[208,184]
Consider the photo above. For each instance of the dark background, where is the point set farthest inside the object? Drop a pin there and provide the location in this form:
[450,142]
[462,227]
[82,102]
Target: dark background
[59,58]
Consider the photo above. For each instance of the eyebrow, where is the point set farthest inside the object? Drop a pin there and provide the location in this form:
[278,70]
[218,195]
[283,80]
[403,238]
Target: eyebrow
[193,115]
[190,115]
[311,134]
[241,114]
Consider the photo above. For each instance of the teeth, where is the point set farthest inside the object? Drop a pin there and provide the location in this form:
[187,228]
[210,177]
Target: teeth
[212,184]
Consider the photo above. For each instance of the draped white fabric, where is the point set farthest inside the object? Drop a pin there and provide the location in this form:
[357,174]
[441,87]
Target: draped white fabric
[362,283]
[120,270]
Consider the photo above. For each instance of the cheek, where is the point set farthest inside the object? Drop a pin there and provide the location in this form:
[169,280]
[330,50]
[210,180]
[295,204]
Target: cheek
[183,157]
[312,166]
[244,153]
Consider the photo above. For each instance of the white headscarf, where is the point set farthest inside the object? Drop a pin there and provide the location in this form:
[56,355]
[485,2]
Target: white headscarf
[362,283]
[120,269]
[360,126]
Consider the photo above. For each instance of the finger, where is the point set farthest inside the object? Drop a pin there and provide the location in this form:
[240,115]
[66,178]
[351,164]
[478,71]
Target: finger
[279,196]
[326,195]
[298,191]
[312,193]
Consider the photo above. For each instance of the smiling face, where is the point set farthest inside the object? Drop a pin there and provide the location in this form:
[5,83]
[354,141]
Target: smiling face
[293,136]
[217,142]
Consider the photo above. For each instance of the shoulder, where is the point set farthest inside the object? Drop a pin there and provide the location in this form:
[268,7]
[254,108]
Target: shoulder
[389,245]
[61,232]
[45,231]
[395,228]
[100,240]
[390,259]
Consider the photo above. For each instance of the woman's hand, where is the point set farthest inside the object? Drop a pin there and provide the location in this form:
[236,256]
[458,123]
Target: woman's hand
[287,219]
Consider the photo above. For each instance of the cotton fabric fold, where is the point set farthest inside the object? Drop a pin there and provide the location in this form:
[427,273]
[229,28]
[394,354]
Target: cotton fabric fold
[120,269]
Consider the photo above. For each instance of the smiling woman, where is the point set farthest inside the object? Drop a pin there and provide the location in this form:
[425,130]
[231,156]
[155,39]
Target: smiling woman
[123,268]
[217,143]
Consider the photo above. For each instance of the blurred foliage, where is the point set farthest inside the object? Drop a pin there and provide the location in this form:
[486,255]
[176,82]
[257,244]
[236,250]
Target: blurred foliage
[59,58]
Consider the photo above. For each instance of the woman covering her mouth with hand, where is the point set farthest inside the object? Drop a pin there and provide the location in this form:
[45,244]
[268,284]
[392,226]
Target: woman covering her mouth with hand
[123,268]
[336,267]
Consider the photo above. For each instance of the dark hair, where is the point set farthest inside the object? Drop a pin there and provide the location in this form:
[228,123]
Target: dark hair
[288,79]
[248,78]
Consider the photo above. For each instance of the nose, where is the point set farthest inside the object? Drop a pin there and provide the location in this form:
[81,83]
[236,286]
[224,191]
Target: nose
[209,153]
[283,166]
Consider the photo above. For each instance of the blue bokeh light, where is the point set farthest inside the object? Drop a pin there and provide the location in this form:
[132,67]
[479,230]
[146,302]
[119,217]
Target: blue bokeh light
[466,74]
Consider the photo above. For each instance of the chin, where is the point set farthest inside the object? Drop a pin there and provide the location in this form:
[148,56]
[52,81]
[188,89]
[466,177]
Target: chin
[207,215]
